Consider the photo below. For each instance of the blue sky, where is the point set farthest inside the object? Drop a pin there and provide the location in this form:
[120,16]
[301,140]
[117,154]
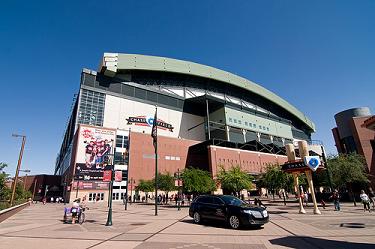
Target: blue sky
[318,55]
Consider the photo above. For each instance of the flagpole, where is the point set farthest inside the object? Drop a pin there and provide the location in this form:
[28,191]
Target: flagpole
[156,160]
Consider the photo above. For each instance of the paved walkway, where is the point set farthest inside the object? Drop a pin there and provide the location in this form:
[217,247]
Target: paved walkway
[40,226]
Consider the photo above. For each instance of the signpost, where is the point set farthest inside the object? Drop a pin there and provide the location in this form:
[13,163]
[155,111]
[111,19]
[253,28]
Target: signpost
[112,162]
[305,165]
[178,180]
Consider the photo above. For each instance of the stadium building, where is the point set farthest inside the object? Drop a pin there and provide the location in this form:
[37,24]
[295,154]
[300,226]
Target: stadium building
[207,118]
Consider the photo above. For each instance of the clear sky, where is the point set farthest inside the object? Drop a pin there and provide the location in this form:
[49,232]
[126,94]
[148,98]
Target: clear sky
[318,55]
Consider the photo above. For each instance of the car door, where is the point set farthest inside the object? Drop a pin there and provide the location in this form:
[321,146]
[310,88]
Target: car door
[205,207]
[218,208]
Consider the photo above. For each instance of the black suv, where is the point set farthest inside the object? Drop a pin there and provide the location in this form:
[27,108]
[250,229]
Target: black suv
[229,209]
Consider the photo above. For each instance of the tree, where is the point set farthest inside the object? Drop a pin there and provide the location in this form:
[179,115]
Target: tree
[166,182]
[20,193]
[274,178]
[2,166]
[348,169]
[234,179]
[4,190]
[197,181]
[146,186]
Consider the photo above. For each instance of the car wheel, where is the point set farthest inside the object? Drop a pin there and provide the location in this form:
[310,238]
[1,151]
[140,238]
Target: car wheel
[197,217]
[234,222]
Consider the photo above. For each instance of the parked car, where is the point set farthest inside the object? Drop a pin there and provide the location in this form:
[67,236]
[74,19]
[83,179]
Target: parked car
[228,209]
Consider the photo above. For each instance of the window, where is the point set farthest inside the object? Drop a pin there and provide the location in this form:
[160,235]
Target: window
[115,196]
[245,123]
[230,119]
[205,199]
[119,141]
[91,108]
[239,121]
[128,90]
[218,201]
[151,96]
[93,196]
[140,93]
[235,121]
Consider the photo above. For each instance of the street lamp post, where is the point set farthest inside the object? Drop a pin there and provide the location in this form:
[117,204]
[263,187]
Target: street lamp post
[18,166]
[179,193]
[109,217]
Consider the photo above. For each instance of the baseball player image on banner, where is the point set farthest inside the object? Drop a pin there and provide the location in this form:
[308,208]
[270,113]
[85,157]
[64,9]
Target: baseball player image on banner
[94,152]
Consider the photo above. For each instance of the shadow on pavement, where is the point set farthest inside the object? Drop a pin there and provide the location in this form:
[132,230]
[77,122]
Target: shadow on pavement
[209,223]
[278,212]
[295,242]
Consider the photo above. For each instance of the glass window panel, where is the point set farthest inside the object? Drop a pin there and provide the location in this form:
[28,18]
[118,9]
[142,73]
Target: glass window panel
[151,96]
[140,93]
[128,90]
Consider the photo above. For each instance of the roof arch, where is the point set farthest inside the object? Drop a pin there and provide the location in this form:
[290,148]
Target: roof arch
[112,63]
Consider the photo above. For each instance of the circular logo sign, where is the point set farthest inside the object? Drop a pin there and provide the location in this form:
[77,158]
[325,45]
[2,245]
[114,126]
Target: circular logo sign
[314,162]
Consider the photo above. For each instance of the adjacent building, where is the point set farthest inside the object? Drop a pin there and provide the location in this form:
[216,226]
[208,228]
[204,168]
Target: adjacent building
[355,133]
[207,118]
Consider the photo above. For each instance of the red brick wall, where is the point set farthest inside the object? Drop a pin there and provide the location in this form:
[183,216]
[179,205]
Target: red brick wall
[362,137]
[250,161]
[142,162]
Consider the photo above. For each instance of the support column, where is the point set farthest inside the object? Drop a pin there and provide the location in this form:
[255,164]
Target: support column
[304,151]
[227,132]
[208,120]
[292,157]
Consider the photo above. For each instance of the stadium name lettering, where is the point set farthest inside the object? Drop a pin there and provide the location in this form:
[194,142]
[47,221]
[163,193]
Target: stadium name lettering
[148,121]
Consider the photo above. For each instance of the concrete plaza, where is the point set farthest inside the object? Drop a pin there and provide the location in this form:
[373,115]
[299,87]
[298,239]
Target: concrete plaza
[41,226]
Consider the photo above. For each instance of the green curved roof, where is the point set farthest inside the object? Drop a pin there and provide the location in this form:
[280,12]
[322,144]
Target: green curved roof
[114,62]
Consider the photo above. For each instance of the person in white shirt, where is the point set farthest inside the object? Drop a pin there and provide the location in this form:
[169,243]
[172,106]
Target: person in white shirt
[365,200]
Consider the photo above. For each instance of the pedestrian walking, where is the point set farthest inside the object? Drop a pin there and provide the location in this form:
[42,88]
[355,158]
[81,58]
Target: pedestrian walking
[336,200]
[323,203]
[371,195]
[306,198]
[365,200]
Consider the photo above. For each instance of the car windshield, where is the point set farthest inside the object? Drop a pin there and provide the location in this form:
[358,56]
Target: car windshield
[231,200]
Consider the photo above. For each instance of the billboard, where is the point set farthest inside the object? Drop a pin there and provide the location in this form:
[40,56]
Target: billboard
[90,185]
[94,153]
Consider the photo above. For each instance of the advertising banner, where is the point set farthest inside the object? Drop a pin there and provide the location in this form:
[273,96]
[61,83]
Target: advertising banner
[107,175]
[90,185]
[118,176]
[94,153]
